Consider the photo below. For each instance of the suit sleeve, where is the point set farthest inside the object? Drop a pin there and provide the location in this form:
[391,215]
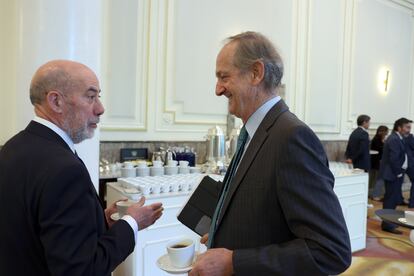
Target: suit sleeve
[312,212]
[69,227]
[362,145]
[395,162]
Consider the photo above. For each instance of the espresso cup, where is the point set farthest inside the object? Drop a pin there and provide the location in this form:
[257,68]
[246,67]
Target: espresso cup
[122,207]
[128,165]
[171,170]
[183,163]
[409,216]
[172,163]
[156,163]
[181,252]
[142,164]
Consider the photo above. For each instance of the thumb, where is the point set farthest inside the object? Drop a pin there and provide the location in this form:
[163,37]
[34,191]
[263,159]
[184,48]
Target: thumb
[141,202]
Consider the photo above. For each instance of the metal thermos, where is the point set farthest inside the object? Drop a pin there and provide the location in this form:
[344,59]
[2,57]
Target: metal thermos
[234,136]
[216,145]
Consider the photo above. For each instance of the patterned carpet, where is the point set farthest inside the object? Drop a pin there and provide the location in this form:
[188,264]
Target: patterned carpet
[386,254]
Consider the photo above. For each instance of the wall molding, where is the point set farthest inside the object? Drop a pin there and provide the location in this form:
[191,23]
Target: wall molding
[403,5]
[139,120]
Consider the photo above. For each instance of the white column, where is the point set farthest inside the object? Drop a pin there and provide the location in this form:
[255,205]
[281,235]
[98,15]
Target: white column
[46,30]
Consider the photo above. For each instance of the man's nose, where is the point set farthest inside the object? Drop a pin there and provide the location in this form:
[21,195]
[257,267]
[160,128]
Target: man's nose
[219,89]
[99,108]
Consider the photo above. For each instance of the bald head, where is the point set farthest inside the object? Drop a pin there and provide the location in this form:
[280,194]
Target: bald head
[56,75]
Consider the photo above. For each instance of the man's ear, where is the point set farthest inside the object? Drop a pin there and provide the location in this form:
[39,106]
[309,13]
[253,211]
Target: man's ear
[258,71]
[54,101]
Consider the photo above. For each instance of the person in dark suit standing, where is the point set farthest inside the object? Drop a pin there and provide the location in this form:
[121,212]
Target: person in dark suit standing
[394,164]
[53,223]
[377,144]
[357,150]
[277,213]
[409,143]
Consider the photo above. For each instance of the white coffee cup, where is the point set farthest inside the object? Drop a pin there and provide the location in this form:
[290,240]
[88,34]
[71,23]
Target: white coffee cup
[184,187]
[122,207]
[143,171]
[165,187]
[128,172]
[128,165]
[172,163]
[183,170]
[156,188]
[175,187]
[156,163]
[181,252]
[146,189]
[183,163]
[170,170]
[195,170]
[142,164]
[156,171]
[409,216]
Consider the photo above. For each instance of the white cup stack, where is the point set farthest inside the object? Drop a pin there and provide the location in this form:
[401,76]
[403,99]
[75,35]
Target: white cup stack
[128,170]
[142,169]
[157,169]
[183,168]
[171,167]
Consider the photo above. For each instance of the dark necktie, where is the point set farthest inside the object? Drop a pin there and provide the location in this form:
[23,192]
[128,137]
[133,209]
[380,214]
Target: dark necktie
[226,182]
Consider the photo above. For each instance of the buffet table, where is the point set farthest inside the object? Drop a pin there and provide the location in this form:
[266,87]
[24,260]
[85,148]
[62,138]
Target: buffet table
[351,187]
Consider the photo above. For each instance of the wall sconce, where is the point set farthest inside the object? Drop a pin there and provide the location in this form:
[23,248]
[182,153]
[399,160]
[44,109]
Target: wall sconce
[384,80]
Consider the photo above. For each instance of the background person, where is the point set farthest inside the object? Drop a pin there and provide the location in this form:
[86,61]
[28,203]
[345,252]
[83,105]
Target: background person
[377,144]
[393,165]
[357,150]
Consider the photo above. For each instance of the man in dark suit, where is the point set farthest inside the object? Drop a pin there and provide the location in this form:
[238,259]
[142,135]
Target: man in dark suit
[53,223]
[409,144]
[394,164]
[277,214]
[357,150]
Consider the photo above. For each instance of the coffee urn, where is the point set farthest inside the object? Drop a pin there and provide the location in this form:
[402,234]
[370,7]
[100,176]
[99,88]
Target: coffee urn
[216,147]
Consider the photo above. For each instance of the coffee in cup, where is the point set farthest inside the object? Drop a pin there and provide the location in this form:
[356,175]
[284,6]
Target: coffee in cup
[181,252]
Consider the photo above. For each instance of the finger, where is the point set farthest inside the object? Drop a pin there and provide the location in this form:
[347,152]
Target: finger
[141,201]
[204,239]
[156,206]
[157,215]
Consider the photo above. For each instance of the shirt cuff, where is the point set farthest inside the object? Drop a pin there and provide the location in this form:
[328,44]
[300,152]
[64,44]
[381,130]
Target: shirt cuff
[134,225]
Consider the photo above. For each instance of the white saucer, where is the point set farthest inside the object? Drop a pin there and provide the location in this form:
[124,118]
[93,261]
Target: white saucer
[404,220]
[115,216]
[164,263]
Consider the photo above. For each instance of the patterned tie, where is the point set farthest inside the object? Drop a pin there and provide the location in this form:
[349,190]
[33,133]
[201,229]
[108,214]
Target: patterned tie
[226,182]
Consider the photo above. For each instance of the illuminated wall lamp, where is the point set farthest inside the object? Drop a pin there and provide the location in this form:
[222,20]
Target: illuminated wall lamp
[384,80]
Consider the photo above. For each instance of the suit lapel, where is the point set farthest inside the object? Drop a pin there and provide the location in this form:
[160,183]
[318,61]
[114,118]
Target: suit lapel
[256,143]
[47,133]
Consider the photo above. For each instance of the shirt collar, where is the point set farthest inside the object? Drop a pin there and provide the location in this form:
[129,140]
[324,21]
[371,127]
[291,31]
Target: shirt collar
[399,135]
[364,129]
[257,117]
[57,130]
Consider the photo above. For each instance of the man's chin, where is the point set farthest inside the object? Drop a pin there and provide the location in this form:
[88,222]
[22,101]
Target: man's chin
[86,135]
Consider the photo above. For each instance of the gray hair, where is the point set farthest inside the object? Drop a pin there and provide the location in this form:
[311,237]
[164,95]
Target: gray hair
[53,78]
[252,47]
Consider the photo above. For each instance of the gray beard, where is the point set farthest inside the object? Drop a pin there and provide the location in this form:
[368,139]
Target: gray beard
[77,135]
